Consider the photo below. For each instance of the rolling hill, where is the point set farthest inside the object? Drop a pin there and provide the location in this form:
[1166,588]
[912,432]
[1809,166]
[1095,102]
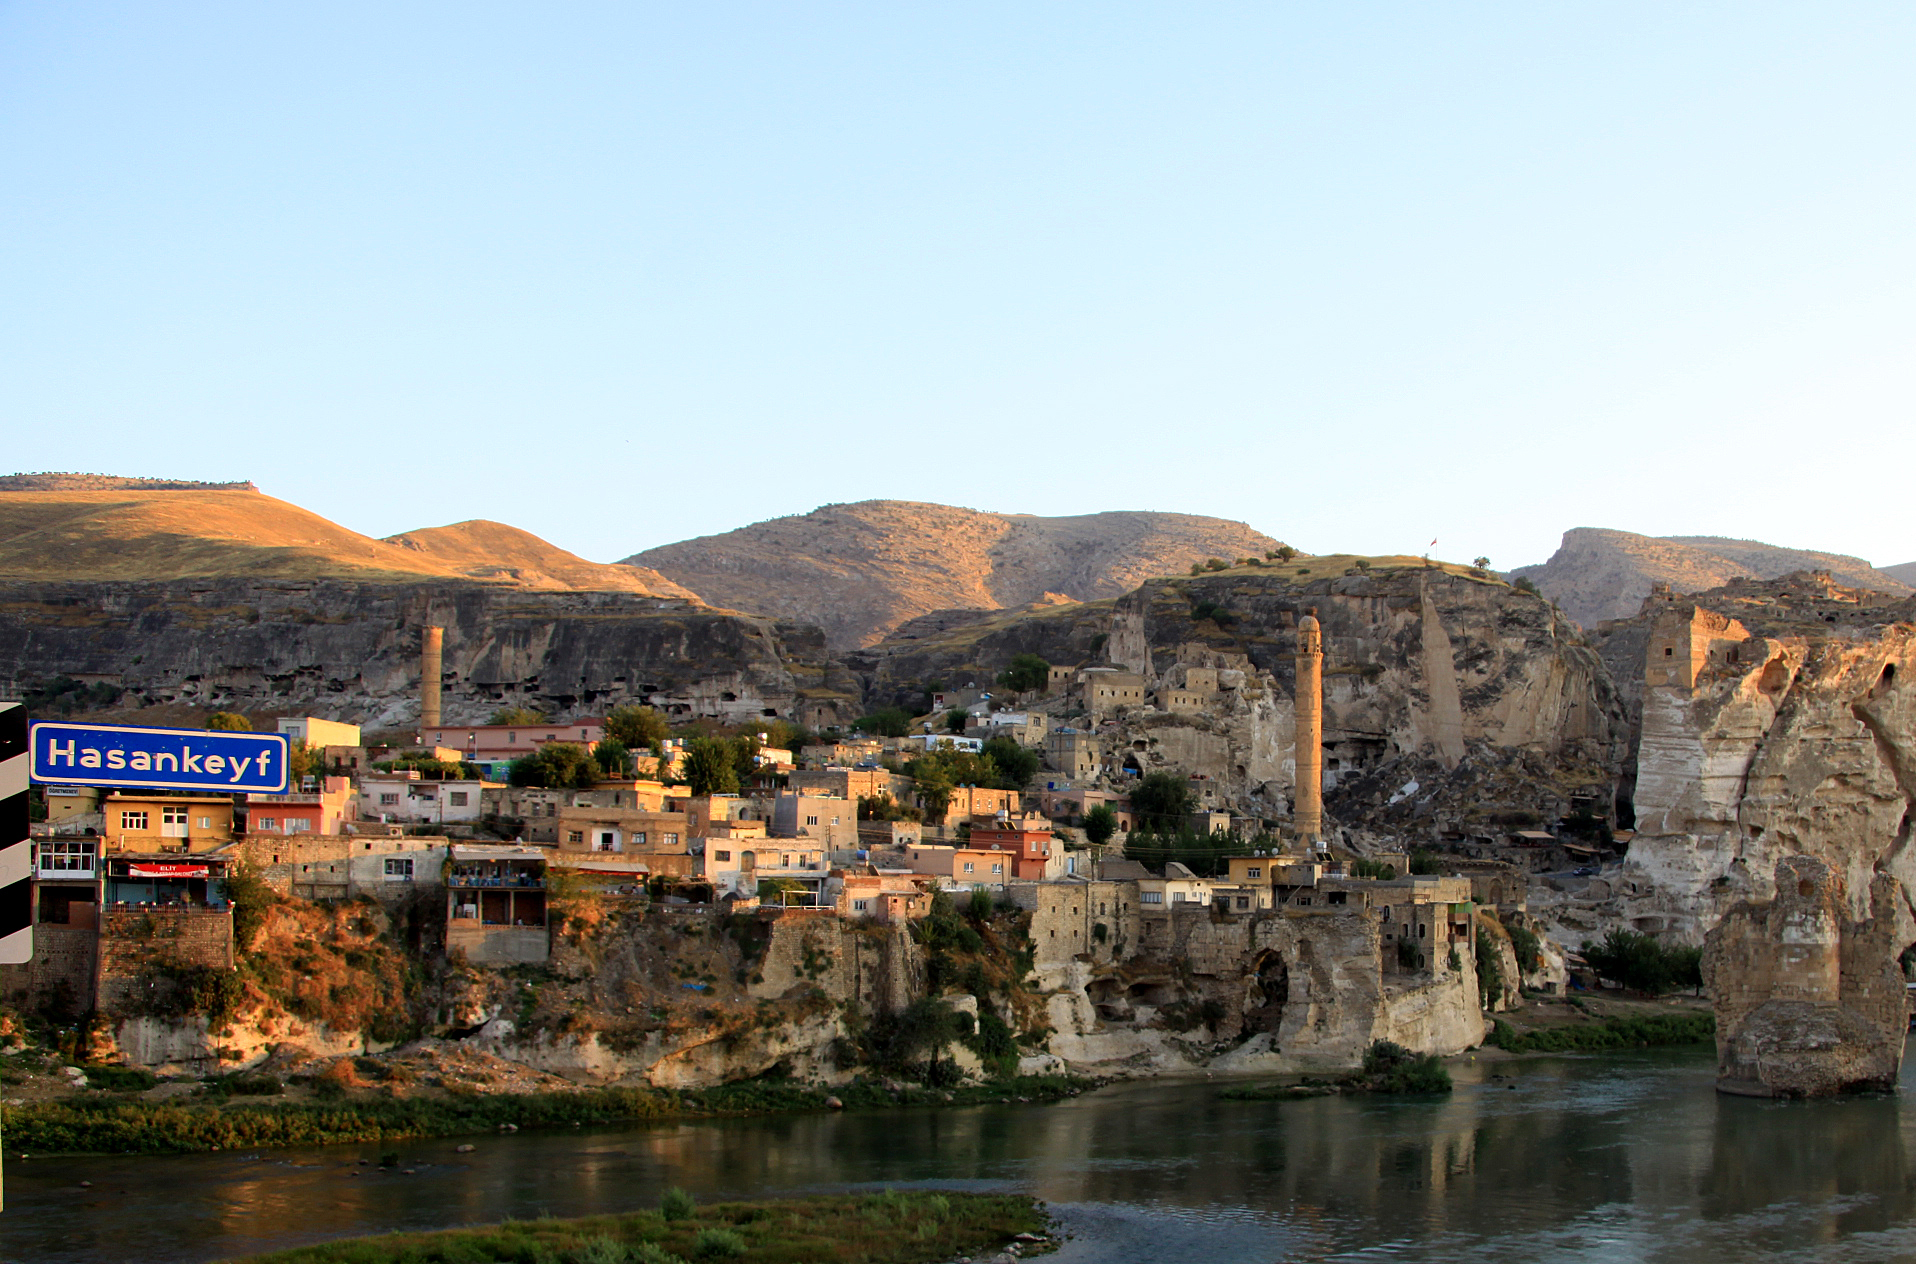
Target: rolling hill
[1598,574]
[860,570]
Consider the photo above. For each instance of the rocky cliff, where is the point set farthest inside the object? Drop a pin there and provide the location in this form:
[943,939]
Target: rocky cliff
[1598,574]
[860,570]
[1778,718]
[349,651]
[1453,703]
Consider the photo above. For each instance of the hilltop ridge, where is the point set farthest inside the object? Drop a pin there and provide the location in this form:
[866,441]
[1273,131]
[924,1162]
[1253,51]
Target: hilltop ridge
[1598,574]
[860,570]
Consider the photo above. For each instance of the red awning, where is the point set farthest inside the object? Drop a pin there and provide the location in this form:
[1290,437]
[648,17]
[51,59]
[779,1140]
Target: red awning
[167,871]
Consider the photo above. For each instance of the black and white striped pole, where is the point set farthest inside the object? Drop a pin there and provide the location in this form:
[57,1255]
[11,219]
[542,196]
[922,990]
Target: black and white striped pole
[16,869]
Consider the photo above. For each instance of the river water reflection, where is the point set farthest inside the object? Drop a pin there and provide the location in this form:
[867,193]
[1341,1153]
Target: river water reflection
[1572,1159]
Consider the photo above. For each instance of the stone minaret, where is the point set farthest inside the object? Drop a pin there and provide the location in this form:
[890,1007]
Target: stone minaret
[1308,817]
[432,643]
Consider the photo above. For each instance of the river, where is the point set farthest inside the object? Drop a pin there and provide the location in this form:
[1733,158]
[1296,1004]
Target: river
[1631,1158]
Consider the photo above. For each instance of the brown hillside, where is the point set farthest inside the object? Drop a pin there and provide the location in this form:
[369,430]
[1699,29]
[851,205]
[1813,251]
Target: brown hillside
[1905,572]
[144,534]
[493,550]
[1598,574]
[861,570]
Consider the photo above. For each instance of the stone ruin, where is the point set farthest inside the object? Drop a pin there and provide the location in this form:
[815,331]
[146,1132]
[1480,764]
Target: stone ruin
[1809,1001]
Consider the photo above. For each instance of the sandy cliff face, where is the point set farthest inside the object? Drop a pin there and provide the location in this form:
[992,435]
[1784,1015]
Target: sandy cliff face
[349,651]
[1778,719]
[860,570]
[1598,574]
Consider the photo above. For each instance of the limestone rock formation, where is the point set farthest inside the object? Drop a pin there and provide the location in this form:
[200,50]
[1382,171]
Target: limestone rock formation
[1777,719]
[1809,999]
[1451,700]
[349,651]
[860,570]
[1598,574]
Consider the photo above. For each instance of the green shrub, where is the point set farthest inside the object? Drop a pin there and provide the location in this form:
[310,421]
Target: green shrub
[1642,962]
[717,1244]
[1614,1033]
[120,1079]
[676,1204]
[1528,947]
[1391,1068]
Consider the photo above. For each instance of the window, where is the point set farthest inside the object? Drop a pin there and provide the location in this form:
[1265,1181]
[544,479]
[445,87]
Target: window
[1422,931]
[998,868]
[388,800]
[399,868]
[1255,871]
[608,840]
[1668,652]
[638,838]
[206,822]
[969,866]
[811,820]
[173,816]
[1244,901]
[668,840]
[456,797]
[296,826]
[132,820]
[575,836]
[858,906]
[267,822]
[1154,897]
[722,856]
[512,737]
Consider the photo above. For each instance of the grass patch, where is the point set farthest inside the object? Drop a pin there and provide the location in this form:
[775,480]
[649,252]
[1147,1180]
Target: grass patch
[1613,1033]
[104,1125]
[887,1228]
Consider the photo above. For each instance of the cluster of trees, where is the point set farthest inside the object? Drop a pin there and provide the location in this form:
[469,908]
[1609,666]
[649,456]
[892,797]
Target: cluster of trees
[1206,855]
[881,807]
[1643,962]
[886,722]
[1002,764]
[1028,673]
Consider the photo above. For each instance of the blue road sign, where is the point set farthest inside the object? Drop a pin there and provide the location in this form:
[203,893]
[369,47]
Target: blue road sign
[132,757]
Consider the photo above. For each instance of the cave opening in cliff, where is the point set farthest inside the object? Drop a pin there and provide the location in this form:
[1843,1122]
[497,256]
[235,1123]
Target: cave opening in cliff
[1270,988]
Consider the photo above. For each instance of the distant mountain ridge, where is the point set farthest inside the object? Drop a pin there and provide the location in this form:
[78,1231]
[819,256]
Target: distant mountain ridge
[860,570]
[1598,574]
[1905,572]
[139,532]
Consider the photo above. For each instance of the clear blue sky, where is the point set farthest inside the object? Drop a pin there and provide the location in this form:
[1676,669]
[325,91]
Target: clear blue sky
[1360,275]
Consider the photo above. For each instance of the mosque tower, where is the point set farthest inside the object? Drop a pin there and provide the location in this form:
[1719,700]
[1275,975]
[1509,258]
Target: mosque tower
[1307,818]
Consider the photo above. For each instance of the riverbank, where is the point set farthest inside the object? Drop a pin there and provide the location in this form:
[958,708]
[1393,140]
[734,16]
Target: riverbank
[114,1123]
[1599,1022]
[889,1228]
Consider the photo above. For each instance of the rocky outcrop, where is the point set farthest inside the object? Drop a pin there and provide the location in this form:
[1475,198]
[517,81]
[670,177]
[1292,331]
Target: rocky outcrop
[1809,999]
[1451,700]
[1778,719]
[1598,574]
[860,570]
[349,651]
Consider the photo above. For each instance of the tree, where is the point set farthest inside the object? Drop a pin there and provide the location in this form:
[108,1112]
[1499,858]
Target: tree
[778,733]
[556,766]
[1015,764]
[1100,823]
[228,722]
[1523,585]
[613,757]
[1027,673]
[709,766]
[886,722]
[1283,553]
[956,718]
[1161,801]
[1481,563]
[516,715]
[1216,564]
[636,727]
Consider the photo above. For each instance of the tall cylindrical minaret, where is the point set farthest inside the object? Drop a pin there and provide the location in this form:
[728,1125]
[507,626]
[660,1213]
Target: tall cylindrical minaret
[1308,817]
[432,643]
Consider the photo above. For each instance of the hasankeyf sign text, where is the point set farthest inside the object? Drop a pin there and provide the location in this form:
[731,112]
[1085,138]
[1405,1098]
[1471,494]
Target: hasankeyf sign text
[130,756]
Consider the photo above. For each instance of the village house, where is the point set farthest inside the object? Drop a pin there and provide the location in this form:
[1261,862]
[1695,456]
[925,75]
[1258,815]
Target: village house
[496,905]
[967,802]
[323,810]
[1076,754]
[878,895]
[72,803]
[797,868]
[832,822]
[963,867]
[623,831]
[485,743]
[845,753]
[408,798]
[1178,888]
[153,824]
[847,783]
[1107,690]
[316,734]
[1038,857]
